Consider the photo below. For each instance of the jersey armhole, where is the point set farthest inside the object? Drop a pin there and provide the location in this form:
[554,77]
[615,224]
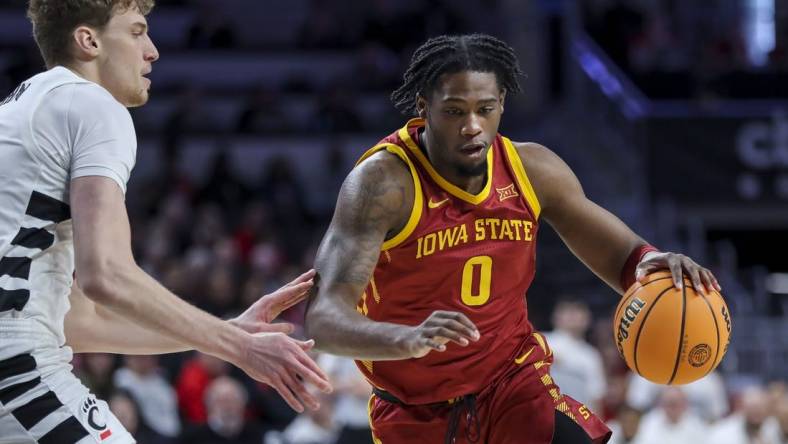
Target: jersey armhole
[418,200]
[522,178]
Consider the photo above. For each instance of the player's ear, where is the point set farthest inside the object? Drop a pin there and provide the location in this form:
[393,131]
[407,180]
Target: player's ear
[86,42]
[421,106]
[502,98]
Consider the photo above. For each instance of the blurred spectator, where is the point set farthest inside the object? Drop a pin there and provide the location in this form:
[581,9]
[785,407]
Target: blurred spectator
[211,29]
[578,366]
[615,397]
[777,390]
[601,338]
[310,427]
[337,111]
[254,227]
[749,424]
[225,402]
[95,371]
[186,116]
[672,422]
[658,48]
[157,401]
[253,287]
[267,258]
[323,27]
[266,405]
[377,68]
[781,415]
[352,393]
[334,171]
[392,25]
[220,298]
[126,409]
[625,427]
[283,192]
[192,383]
[224,187]
[263,112]
[707,397]
[208,228]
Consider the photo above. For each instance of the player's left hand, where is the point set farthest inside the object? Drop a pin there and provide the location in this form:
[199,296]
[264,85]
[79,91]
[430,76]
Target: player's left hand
[703,279]
[257,318]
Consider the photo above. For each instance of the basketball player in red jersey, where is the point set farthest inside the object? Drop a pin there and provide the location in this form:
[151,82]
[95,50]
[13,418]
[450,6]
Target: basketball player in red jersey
[431,250]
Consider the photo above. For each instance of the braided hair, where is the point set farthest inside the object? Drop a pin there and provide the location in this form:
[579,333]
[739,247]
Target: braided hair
[450,54]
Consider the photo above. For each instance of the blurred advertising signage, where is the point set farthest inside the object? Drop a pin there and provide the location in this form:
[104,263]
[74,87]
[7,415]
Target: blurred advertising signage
[719,159]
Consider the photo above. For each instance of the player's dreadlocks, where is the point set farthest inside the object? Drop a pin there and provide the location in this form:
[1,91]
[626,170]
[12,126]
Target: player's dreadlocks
[449,54]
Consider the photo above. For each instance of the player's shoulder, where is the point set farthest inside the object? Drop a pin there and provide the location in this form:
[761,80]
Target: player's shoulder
[550,176]
[540,161]
[94,96]
[380,187]
[383,166]
[66,91]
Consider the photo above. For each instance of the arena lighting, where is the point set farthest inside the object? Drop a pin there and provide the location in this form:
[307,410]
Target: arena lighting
[777,283]
[759,32]
[612,82]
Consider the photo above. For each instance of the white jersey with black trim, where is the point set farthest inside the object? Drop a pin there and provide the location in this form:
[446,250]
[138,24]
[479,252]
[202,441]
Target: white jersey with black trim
[54,127]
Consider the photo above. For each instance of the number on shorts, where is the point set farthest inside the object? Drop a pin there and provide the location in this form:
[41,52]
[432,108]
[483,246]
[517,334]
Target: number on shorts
[468,279]
[584,411]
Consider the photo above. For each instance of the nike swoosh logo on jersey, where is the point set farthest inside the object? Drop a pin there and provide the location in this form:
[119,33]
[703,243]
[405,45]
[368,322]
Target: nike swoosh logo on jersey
[525,355]
[432,204]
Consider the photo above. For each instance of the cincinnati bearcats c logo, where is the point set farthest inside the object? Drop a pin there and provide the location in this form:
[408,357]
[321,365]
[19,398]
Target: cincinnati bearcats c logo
[90,408]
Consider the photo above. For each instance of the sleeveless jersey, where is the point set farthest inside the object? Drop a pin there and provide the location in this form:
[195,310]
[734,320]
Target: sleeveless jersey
[459,252]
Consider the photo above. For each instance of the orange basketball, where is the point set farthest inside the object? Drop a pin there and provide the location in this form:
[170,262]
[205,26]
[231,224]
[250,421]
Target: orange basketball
[671,336]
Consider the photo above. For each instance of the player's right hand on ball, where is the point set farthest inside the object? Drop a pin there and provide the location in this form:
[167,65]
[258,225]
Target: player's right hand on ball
[438,329]
[281,362]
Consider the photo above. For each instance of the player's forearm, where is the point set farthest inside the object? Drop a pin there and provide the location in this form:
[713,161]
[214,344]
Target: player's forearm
[341,330]
[118,335]
[602,241]
[92,328]
[131,294]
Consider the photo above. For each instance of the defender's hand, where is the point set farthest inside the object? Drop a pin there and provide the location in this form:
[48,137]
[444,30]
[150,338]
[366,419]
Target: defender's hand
[438,329]
[702,279]
[257,318]
[282,363]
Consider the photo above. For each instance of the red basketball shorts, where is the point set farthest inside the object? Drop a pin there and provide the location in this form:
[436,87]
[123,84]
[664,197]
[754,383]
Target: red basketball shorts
[518,407]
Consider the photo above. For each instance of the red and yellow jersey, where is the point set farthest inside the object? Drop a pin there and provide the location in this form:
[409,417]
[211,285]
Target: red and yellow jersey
[458,252]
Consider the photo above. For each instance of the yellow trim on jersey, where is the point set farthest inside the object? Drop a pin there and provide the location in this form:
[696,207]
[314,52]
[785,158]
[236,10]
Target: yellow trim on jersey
[375,293]
[443,183]
[542,343]
[522,178]
[375,440]
[418,198]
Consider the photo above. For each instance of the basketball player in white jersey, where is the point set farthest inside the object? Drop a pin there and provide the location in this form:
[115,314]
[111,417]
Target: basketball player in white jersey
[67,146]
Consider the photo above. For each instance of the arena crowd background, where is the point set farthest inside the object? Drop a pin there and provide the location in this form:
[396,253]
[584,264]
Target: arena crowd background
[672,113]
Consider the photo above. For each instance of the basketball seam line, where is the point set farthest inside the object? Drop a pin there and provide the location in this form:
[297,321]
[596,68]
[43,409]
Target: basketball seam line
[642,324]
[615,316]
[717,330]
[681,333]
